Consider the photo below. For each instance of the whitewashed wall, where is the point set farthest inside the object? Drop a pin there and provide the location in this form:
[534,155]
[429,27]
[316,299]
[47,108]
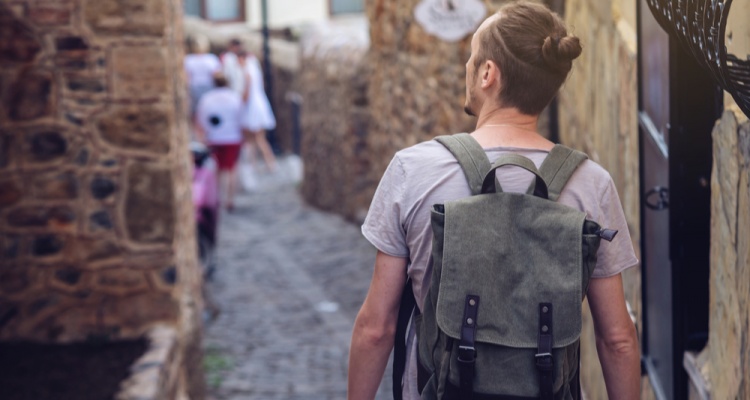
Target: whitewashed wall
[284,13]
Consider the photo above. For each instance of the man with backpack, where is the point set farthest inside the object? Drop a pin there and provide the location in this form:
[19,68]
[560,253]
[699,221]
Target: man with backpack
[497,275]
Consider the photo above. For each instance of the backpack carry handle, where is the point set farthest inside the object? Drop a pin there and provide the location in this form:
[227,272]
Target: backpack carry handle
[491,185]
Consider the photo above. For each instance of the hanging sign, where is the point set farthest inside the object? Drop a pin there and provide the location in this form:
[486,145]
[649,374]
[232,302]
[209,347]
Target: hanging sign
[450,20]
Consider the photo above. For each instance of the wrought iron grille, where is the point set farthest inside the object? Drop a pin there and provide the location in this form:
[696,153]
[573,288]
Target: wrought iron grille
[700,26]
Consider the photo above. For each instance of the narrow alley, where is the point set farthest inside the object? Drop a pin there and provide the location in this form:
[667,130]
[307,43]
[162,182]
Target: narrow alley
[289,281]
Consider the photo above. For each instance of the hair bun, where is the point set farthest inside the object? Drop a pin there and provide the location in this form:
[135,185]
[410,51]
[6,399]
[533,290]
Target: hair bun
[559,52]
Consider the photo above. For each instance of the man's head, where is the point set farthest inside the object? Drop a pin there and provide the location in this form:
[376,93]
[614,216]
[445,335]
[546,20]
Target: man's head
[220,80]
[519,59]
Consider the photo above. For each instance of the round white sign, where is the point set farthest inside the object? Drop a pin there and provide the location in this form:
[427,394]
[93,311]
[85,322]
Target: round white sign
[450,20]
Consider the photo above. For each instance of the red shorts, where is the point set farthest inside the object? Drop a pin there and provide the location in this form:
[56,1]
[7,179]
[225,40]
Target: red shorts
[226,155]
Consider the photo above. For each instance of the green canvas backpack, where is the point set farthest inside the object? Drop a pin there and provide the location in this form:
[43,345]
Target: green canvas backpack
[502,317]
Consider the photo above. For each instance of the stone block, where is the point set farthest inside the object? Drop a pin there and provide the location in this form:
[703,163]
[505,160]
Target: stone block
[30,95]
[18,43]
[48,15]
[10,193]
[120,281]
[126,17]
[136,312]
[41,304]
[149,204]
[72,60]
[142,128]
[139,71]
[56,186]
[97,248]
[73,324]
[41,216]
[14,280]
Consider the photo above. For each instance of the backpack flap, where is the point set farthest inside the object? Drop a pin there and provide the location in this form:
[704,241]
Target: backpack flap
[513,251]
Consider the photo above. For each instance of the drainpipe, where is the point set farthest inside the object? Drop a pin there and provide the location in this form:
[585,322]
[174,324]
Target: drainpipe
[267,74]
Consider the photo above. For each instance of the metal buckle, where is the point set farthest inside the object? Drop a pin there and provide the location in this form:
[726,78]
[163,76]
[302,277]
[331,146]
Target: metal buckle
[466,354]
[544,360]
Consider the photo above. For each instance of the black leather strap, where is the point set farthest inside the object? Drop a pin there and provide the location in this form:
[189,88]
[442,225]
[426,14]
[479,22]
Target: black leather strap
[406,308]
[544,361]
[467,353]
[423,375]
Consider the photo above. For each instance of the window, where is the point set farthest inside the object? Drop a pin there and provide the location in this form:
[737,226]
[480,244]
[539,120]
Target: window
[347,6]
[216,10]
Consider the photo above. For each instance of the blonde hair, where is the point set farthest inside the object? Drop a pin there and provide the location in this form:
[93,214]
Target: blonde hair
[200,44]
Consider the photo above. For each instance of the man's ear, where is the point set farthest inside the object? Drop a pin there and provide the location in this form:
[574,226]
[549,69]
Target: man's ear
[490,74]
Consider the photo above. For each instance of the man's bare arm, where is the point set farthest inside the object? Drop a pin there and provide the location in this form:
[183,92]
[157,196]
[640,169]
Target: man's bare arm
[616,338]
[375,326]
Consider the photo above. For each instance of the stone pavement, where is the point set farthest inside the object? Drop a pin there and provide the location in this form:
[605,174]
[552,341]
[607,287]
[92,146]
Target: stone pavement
[289,281]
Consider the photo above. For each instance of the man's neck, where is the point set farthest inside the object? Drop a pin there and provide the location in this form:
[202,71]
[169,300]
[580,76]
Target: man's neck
[508,127]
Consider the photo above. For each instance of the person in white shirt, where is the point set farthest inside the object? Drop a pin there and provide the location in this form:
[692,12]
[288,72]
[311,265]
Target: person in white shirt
[217,122]
[200,66]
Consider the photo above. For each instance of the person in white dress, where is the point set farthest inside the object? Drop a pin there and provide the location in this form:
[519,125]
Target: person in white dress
[247,79]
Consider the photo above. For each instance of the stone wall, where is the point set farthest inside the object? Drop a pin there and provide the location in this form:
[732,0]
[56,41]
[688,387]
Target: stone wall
[417,91]
[335,121]
[604,124]
[96,223]
[728,354]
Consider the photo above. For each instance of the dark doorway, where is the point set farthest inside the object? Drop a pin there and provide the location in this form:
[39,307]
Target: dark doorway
[678,105]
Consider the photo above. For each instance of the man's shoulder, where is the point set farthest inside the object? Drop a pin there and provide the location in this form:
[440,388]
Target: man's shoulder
[591,171]
[423,153]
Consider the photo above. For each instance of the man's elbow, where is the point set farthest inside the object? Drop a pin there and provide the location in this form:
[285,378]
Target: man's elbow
[622,343]
[374,335]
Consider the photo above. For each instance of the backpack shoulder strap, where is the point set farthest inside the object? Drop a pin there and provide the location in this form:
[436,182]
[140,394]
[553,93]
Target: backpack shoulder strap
[406,309]
[558,167]
[470,156]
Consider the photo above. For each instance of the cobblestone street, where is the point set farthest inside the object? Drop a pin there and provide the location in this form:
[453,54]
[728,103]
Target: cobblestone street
[289,281]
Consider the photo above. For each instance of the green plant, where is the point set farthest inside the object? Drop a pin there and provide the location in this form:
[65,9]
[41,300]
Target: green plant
[215,364]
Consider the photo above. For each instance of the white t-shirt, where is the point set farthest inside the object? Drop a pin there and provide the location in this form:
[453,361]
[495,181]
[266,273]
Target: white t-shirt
[200,68]
[218,113]
[398,221]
